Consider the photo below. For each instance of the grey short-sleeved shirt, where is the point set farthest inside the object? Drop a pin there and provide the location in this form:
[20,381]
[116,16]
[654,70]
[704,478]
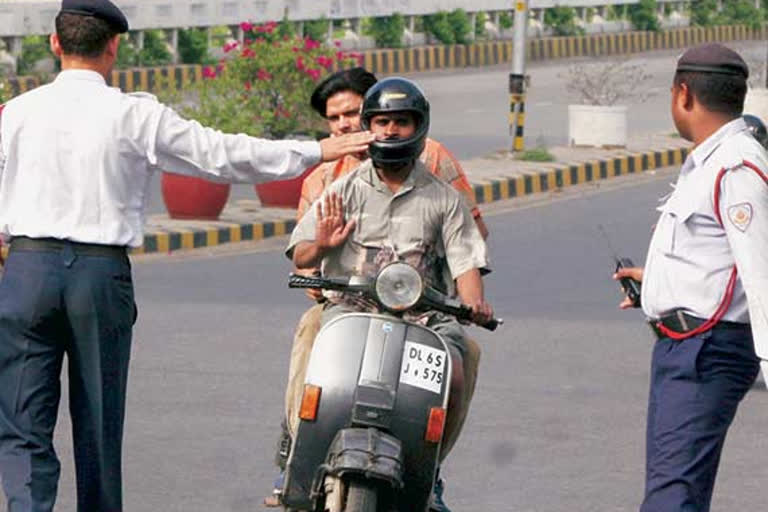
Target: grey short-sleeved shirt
[426,224]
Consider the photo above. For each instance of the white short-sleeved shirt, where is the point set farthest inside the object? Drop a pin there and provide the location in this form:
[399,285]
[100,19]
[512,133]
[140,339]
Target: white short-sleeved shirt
[76,157]
[691,254]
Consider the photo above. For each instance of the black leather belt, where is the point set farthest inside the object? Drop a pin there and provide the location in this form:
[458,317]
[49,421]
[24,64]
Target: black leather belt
[23,243]
[680,321]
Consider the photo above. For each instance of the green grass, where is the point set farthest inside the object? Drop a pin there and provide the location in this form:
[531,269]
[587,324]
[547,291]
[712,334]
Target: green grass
[539,154]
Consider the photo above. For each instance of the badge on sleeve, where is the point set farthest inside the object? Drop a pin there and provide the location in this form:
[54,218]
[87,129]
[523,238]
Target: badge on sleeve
[740,216]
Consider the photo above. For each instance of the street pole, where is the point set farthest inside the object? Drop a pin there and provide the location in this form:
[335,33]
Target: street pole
[517,77]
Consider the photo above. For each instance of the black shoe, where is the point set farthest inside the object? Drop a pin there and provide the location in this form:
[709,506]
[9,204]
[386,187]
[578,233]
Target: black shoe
[436,503]
[283,446]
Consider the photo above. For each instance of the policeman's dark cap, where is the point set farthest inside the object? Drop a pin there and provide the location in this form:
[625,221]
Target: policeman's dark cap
[101,9]
[713,58]
[358,80]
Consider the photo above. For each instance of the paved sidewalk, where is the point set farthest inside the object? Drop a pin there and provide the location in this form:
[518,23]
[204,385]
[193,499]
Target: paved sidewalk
[496,177]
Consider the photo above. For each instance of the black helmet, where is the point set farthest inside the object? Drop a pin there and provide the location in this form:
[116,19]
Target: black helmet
[396,95]
[757,129]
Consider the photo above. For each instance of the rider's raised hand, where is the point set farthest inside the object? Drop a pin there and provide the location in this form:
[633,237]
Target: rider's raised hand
[334,148]
[331,230]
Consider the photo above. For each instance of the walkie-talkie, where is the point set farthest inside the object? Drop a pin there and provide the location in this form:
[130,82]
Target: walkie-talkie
[628,285]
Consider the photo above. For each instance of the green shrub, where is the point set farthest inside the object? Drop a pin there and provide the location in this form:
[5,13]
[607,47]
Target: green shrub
[438,25]
[126,53]
[562,20]
[316,30]
[459,21]
[193,46]
[506,21]
[612,13]
[643,15]
[740,12]
[539,154]
[387,31]
[155,51]
[33,49]
[480,20]
[263,86]
[704,12]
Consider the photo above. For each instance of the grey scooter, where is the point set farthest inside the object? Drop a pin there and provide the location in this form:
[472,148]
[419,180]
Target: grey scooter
[375,401]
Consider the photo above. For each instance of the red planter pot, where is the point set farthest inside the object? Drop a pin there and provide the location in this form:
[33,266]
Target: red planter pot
[188,197]
[282,194]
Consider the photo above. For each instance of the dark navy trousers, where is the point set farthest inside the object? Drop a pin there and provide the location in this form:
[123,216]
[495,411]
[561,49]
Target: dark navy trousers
[54,303]
[696,387]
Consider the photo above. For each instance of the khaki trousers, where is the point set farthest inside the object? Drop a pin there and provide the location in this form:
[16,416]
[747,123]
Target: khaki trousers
[304,339]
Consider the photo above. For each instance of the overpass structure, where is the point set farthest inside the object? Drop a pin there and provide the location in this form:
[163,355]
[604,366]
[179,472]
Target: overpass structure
[20,18]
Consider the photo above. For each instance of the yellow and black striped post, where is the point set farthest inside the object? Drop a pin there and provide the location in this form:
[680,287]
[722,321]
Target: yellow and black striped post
[517,110]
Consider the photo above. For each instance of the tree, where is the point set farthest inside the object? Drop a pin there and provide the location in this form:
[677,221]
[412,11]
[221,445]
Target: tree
[155,51]
[703,12]
[387,31]
[193,46]
[562,20]
[643,15]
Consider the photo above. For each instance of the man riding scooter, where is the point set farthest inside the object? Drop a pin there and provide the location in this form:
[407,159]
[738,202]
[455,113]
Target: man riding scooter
[392,209]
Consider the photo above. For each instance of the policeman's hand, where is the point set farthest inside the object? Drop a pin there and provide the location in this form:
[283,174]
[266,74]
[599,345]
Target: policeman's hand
[331,230]
[334,148]
[482,312]
[635,273]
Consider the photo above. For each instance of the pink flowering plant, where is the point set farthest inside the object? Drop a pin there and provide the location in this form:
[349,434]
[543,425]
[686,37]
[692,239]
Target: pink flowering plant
[262,86]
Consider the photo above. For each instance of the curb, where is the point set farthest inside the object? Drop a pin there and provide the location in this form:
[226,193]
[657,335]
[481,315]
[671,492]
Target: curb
[486,191]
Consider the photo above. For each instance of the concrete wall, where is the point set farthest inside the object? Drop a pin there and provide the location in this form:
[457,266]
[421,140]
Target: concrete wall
[28,17]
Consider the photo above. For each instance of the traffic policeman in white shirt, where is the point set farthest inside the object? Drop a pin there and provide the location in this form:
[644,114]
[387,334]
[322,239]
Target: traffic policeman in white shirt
[76,158]
[705,283]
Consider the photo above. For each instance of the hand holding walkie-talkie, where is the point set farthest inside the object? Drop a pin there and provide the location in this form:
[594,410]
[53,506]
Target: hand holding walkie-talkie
[627,274]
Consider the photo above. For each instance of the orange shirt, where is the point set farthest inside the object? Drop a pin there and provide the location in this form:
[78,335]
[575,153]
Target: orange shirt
[436,157]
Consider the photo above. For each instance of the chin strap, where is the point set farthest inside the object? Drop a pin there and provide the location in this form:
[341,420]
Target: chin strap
[728,297]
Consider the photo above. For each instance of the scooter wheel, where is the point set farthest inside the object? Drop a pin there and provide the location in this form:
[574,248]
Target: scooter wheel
[361,496]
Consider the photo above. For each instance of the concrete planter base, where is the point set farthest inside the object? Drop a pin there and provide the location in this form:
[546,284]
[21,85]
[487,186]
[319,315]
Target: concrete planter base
[595,125]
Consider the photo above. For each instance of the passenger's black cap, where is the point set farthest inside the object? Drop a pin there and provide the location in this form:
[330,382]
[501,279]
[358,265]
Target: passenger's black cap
[102,9]
[713,58]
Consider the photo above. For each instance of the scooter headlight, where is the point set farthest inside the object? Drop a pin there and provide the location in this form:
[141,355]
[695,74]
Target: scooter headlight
[399,286]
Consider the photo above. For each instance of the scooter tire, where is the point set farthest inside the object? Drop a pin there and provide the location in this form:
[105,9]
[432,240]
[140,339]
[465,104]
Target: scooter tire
[362,496]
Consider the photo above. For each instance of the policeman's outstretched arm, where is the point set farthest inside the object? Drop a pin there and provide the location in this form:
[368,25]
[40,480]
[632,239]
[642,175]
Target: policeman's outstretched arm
[635,273]
[331,231]
[183,146]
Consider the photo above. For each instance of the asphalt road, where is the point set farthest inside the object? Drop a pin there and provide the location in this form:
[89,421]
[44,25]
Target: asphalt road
[558,419]
[469,106]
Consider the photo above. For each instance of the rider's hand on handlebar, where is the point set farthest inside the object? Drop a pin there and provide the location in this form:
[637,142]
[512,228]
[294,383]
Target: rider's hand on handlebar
[482,312]
[314,294]
[331,230]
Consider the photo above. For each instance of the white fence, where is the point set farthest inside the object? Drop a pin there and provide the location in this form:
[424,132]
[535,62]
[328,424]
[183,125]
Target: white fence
[30,17]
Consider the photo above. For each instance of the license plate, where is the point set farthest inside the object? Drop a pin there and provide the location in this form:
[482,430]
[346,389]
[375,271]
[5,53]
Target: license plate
[423,367]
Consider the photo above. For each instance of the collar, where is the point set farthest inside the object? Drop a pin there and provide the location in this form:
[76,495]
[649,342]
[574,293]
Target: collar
[87,75]
[416,178]
[701,154]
